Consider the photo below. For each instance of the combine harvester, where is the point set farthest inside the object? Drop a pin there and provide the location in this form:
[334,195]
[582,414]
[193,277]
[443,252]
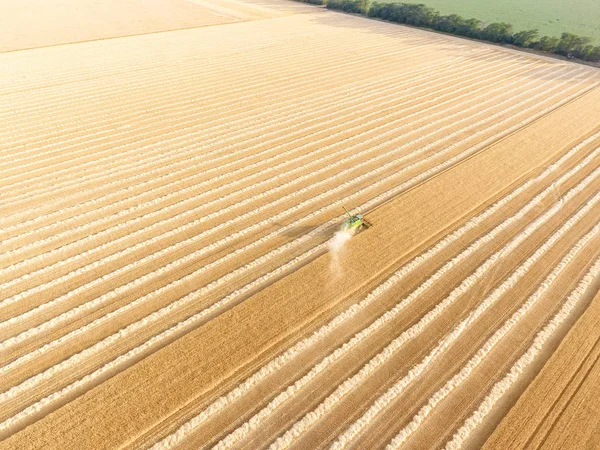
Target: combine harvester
[355,223]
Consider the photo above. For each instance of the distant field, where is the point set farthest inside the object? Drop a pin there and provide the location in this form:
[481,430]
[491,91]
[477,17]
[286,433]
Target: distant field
[551,17]
[38,24]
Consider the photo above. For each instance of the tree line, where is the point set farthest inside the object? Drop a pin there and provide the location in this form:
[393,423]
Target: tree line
[569,44]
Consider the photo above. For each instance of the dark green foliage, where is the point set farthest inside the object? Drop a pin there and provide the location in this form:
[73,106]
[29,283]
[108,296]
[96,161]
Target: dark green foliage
[569,45]
[498,32]
[525,38]
[546,44]
[351,6]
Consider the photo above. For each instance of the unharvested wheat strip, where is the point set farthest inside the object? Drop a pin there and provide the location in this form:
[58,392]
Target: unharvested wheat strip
[195,198]
[248,57]
[414,330]
[170,94]
[232,163]
[342,187]
[474,362]
[37,153]
[221,149]
[288,356]
[500,388]
[102,344]
[335,398]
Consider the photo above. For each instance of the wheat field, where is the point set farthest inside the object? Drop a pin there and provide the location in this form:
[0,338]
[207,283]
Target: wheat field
[167,200]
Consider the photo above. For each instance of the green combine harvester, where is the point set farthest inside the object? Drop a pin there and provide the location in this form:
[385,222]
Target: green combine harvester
[356,222]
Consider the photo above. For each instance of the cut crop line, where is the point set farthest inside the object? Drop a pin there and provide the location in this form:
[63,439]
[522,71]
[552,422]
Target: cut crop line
[501,387]
[193,198]
[230,92]
[219,139]
[100,58]
[478,357]
[116,292]
[289,355]
[228,63]
[274,96]
[245,148]
[76,359]
[218,117]
[413,331]
[175,89]
[206,144]
[30,193]
[213,131]
[230,58]
[283,199]
[177,60]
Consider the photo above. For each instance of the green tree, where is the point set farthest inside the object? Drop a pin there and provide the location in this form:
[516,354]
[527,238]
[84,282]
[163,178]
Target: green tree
[571,43]
[594,54]
[546,44]
[472,28]
[525,38]
[450,24]
[498,32]
[364,6]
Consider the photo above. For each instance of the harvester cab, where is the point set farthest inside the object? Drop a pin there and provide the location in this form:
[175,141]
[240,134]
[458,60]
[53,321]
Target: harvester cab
[355,222]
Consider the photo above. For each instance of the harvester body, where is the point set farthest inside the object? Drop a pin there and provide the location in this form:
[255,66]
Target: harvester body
[355,222]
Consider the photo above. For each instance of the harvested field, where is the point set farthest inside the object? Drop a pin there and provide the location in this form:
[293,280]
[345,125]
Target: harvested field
[167,203]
